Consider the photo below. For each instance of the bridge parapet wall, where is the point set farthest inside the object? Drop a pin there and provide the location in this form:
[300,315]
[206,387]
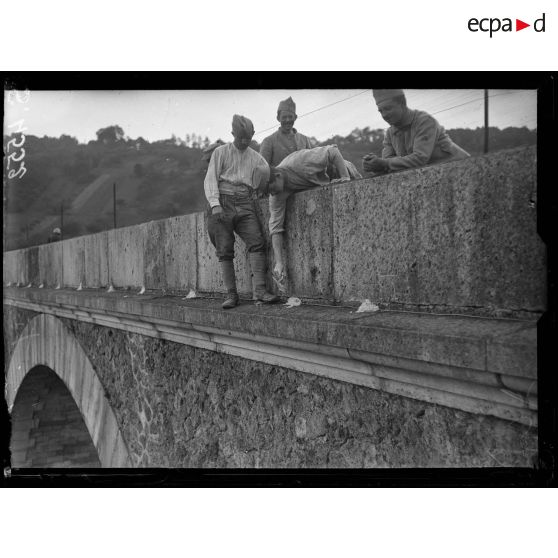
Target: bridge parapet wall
[458,237]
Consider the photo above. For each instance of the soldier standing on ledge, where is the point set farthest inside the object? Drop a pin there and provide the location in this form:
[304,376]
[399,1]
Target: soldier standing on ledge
[414,138]
[286,139]
[235,172]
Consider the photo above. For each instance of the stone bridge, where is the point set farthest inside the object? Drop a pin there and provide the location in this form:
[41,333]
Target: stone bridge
[111,361]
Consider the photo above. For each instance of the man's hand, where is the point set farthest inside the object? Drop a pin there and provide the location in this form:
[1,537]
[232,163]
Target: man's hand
[372,163]
[216,210]
[279,271]
[280,278]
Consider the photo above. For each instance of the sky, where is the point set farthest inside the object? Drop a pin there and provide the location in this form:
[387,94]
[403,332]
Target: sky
[156,115]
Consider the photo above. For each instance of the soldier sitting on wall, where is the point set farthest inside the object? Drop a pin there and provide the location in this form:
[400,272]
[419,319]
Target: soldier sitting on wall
[301,170]
[414,138]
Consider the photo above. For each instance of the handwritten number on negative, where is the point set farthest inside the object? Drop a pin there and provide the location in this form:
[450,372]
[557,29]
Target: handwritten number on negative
[19,125]
[14,174]
[14,142]
[12,157]
[20,96]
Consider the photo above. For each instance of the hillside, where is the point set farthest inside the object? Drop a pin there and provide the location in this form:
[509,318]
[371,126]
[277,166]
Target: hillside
[153,180]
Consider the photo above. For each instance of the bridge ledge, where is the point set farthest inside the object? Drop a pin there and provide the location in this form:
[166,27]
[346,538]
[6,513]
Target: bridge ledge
[484,366]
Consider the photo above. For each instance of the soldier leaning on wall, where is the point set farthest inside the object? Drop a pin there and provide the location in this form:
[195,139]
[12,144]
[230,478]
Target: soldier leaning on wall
[414,138]
[234,175]
[299,171]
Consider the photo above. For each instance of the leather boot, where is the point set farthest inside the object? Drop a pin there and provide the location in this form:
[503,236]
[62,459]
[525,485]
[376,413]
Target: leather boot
[227,268]
[257,263]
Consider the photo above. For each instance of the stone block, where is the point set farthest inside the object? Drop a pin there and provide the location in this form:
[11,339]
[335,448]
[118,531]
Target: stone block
[96,260]
[32,266]
[73,261]
[372,239]
[180,251]
[309,243]
[440,220]
[51,264]
[508,257]
[154,255]
[21,268]
[514,353]
[74,381]
[126,252]
[9,267]
[449,340]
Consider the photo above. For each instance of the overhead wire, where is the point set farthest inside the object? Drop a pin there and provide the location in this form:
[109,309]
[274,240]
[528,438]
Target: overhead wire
[464,94]
[318,109]
[473,101]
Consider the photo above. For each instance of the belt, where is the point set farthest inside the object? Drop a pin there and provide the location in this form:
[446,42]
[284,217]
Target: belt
[230,189]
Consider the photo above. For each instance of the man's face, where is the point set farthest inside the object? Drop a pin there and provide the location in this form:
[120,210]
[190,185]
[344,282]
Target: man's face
[242,140]
[277,183]
[287,120]
[392,112]
[332,172]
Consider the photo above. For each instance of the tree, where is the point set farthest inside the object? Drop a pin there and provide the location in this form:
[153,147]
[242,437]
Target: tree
[68,141]
[110,134]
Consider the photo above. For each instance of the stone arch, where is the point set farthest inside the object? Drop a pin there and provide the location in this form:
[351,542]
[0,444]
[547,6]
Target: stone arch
[48,429]
[46,341]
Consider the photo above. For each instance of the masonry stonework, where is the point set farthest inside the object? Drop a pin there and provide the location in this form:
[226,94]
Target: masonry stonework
[179,406]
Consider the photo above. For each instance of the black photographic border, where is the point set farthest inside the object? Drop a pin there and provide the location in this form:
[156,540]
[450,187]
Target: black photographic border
[543,474]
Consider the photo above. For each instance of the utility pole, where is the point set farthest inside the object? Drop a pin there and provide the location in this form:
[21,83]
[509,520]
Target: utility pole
[62,221]
[486,120]
[114,201]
